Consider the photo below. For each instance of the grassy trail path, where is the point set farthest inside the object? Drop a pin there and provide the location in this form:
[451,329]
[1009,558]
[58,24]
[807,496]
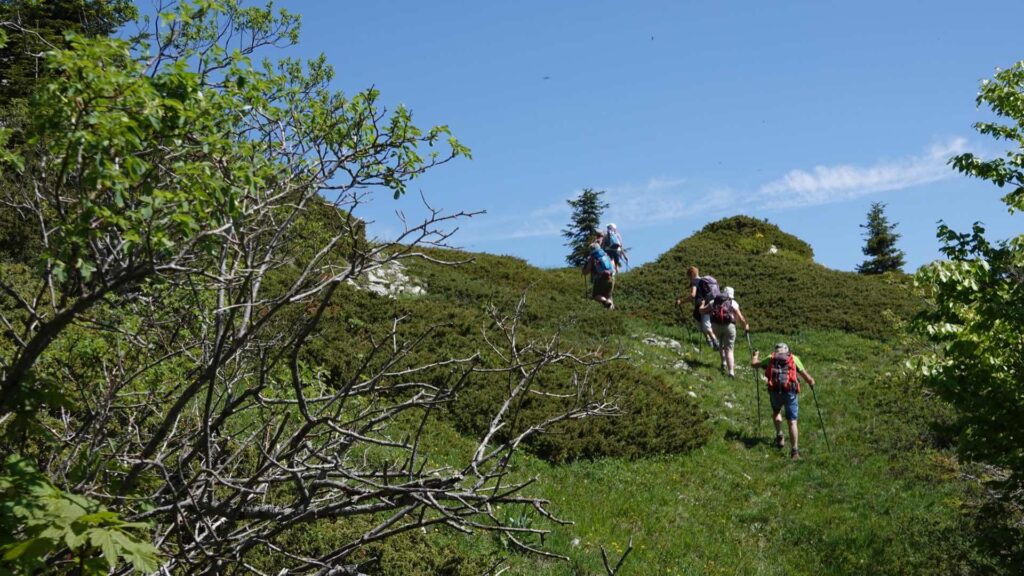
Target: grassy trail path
[739,506]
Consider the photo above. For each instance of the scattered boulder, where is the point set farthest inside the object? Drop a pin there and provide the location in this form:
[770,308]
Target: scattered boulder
[389,280]
[662,342]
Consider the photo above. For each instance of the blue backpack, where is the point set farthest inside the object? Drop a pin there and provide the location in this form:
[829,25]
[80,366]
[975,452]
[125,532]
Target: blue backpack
[613,241]
[602,264]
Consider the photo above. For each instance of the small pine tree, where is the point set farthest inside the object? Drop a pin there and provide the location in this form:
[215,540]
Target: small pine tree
[586,219]
[880,245]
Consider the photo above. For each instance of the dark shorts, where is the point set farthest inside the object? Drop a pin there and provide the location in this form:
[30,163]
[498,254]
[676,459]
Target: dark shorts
[603,286]
[615,255]
[787,401]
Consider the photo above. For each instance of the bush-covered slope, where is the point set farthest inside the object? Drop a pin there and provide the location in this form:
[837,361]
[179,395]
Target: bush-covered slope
[718,509]
[783,292]
[656,418]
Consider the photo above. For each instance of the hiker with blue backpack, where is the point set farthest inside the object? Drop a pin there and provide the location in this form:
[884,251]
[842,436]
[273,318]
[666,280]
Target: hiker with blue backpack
[703,290]
[612,245]
[725,312]
[781,369]
[602,273]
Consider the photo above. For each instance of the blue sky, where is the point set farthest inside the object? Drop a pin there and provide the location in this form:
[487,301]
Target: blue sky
[683,112]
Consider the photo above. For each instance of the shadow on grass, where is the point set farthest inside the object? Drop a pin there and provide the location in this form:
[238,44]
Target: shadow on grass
[748,438]
[699,362]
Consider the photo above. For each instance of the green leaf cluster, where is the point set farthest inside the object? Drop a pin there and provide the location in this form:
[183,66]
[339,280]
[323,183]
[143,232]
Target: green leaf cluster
[975,321]
[39,521]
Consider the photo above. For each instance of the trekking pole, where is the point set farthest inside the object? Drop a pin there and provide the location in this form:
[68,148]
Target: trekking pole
[820,419]
[686,325]
[757,386]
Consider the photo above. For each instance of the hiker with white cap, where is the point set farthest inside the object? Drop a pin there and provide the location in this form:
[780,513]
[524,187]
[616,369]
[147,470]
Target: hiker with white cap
[783,388]
[602,272]
[725,313]
[612,245]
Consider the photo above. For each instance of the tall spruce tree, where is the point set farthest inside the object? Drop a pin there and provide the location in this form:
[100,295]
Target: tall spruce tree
[586,219]
[880,245]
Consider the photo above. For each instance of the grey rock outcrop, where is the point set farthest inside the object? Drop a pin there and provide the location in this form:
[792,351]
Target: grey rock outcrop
[390,280]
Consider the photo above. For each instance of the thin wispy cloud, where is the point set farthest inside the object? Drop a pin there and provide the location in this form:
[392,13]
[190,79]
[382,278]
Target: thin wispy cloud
[829,184]
[542,221]
[661,199]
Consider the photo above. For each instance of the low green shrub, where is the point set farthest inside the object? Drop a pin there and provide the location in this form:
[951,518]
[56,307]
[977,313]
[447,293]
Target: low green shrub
[655,418]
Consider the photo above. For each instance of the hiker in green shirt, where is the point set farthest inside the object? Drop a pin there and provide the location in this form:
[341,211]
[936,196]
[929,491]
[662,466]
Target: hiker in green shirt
[783,387]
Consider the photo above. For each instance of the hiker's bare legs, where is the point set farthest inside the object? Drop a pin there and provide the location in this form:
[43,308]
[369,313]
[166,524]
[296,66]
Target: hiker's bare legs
[730,361]
[794,433]
[705,327]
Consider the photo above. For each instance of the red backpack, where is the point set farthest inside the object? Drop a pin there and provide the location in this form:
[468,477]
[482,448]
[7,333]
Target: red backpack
[781,372]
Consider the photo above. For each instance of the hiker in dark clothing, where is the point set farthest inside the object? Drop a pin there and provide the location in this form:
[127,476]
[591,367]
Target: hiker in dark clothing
[602,273]
[783,388]
[702,291]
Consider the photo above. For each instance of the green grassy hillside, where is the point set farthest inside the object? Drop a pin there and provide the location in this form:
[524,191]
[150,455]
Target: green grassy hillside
[686,471]
[782,292]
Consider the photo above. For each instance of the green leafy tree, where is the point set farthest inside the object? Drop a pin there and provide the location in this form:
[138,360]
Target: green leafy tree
[33,28]
[158,359]
[586,220]
[880,243]
[976,320]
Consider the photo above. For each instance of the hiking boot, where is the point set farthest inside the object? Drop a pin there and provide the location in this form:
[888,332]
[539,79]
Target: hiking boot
[779,441]
[794,454]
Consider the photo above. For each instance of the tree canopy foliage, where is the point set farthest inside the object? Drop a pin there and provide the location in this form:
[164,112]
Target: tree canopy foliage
[976,320]
[158,356]
[32,29]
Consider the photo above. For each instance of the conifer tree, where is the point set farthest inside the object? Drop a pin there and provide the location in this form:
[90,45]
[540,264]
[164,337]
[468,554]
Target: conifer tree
[880,245]
[586,219]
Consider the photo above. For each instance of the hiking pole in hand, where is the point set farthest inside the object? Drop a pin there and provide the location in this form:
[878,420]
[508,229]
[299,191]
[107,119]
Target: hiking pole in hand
[757,385]
[686,324]
[820,419]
